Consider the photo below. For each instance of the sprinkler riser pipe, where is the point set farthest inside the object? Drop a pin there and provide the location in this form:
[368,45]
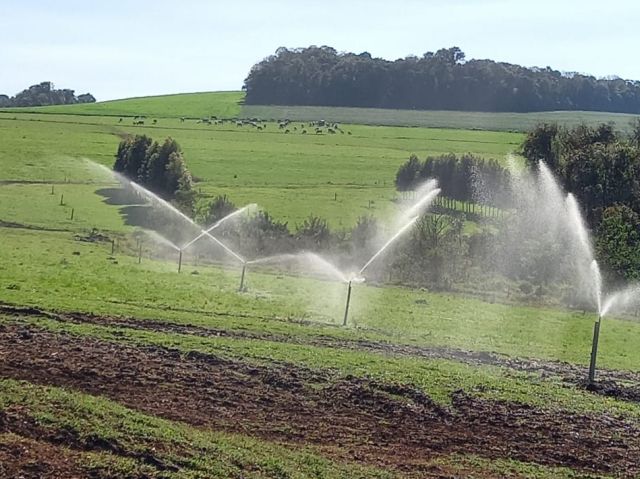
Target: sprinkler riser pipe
[346,308]
[180,261]
[594,352]
[140,253]
[244,270]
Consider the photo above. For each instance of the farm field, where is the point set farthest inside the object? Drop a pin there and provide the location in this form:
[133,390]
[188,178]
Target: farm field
[231,105]
[337,177]
[115,365]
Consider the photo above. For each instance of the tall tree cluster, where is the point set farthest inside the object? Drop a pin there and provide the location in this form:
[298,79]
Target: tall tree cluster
[159,167]
[466,178]
[44,94]
[443,80]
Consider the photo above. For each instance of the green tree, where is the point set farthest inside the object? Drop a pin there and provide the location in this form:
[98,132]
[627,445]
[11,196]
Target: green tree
[618,242]
[217,209]
[314,233]
[131,158]
[407,174]
[541,145]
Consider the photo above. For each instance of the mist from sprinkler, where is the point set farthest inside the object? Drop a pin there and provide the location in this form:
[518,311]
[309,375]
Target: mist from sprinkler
[168,207]
[553,209]
[548,209]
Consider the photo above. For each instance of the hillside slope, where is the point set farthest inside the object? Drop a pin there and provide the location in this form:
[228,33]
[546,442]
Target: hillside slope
[191,105]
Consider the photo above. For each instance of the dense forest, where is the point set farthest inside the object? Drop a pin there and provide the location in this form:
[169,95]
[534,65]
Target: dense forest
[443,80]
[44,94]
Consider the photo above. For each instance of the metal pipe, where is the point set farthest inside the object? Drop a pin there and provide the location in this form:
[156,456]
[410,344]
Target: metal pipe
[346,309]
[179,260]
[594,351]
[140,252]
[244,269]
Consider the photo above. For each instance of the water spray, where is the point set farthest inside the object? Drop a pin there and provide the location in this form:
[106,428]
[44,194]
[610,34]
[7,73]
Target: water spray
[386,245]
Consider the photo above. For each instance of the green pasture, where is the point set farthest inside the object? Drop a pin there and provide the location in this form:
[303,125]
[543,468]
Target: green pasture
[339,177]
[53,261]
[230,104]
[192,105]
[468,120]
[55,270]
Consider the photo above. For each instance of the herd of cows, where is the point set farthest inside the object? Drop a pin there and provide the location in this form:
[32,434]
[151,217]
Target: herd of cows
[287,126]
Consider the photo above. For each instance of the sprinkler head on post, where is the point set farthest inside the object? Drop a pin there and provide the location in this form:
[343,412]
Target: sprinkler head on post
[179,260]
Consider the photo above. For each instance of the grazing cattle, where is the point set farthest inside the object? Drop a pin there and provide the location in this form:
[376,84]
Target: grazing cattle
[331,130]
[155,121]
[295,128]
[318,131]
[348,132]
[238,123]
[286,131]
[138,122]
[120,120]
[304,132]
[182,119]
[259,128]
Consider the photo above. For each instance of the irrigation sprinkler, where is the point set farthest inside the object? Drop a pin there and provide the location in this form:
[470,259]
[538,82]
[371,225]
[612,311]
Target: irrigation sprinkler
[139,252]
[594,351]
[72,212]
[113,246]
[346,308]
[179,260]
[244,270]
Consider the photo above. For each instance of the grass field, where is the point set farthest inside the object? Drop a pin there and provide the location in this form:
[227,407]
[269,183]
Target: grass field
[190,105]
[471,120]
[338,177]
[231,105]
[110,367]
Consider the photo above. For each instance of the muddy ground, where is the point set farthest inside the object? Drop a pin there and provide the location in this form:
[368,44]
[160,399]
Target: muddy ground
[624,385]
[389,425]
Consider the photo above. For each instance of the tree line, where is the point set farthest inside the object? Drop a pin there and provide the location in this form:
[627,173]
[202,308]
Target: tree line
[443,80]
[44,94]
[159,167]
[467,178]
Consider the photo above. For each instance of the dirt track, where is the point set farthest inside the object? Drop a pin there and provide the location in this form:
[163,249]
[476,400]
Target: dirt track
[352,418]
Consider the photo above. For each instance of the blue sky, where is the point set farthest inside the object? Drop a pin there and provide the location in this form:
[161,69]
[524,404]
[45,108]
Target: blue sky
[118,49]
